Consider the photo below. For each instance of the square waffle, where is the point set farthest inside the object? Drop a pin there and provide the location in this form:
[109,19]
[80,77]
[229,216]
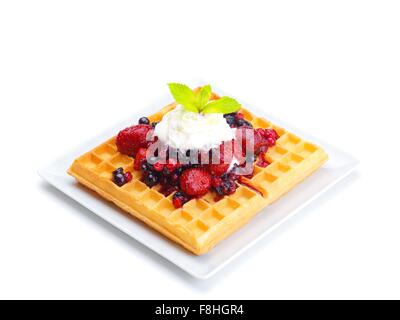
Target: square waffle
[201,223]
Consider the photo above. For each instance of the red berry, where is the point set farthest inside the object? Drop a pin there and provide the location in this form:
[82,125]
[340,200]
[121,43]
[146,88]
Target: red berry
[179,199]
[171,165]
[140,156]
[131,139]
[271,133]
[128,176]
[158,166]
[218,169]
[261,162]
[271,142]
[195,182]
[259,141]
[239,116]
[177,202]
[225,159]
[216,182]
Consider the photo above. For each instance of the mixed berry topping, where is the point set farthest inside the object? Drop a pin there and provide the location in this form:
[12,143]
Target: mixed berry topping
[194,179]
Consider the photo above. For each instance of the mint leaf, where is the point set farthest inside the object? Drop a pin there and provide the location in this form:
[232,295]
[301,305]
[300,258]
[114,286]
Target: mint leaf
[184,96]
[222,105]
[203,96]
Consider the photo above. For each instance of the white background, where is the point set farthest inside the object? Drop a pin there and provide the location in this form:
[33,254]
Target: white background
[69,69]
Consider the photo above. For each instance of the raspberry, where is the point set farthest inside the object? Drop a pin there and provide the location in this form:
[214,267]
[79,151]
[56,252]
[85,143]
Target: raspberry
[271,142]
[169,190]
[131,139]
[261,162]
[259,139]
[140,156]
[158,166]
[271,133]
[128,176]
[172,165]
[216,182]
[179,199]
[218,169]
[195,182]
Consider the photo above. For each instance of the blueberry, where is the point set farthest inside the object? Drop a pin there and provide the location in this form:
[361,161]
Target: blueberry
[233,114]
[219,191]
[180,195]
[154,124]
[144,120]
[145,166]
[151,179]
[243,123]
[230,119]
[118,170]
[179,170]
[119,179]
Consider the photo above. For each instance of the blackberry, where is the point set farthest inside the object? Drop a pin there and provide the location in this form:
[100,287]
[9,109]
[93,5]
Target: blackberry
[144,120]
[174,179]
[179,170]
[119,170]
[151,179]
[219,191]
[233,114]
[243,123]
[119,179]
[230,119]
[145,166]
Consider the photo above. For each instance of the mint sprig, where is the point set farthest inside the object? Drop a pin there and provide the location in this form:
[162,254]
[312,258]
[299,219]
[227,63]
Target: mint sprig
[200,101]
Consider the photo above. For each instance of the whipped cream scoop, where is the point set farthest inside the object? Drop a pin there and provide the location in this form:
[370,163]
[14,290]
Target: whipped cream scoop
[185,130]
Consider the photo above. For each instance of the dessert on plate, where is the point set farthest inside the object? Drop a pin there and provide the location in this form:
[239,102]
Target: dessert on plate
[198,169]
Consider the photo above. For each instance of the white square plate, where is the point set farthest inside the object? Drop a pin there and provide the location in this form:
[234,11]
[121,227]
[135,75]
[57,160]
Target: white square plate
[338,167]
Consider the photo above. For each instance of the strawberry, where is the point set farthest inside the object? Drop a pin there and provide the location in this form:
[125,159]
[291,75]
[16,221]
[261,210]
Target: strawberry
[140,156]
[131,139]
[195,182]
[226,156]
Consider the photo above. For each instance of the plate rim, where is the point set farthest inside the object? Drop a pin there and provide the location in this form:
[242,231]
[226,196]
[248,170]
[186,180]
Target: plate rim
[46,174]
